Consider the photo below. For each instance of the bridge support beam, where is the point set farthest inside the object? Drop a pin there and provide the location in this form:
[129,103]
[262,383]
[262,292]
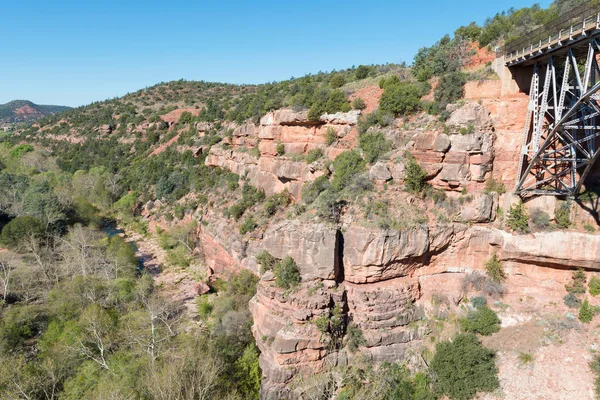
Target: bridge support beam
[560,143]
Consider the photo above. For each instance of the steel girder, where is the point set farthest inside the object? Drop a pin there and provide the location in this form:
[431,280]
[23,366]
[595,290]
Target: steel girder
[563,121]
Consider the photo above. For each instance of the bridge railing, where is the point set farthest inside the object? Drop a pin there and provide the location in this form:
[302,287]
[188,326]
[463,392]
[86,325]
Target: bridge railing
[574,22]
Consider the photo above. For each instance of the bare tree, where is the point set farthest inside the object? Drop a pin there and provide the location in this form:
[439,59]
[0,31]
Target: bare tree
[6,271]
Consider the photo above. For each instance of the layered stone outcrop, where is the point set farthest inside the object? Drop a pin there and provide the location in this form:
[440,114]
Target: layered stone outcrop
[463,157]
[252,150]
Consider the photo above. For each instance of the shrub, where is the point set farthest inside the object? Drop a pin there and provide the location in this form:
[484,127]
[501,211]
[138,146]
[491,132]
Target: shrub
[330,136]
[337,81]
[21,150]
[589,228]
[594,286]
[329,206]
[286,273]
[266,261]
[204,307]
[516,218]
[595,367]
[478,301]
[359,104]
[414,175]
[346,166]
[276,201]
[525,358]
[562,215]
[312,190]
[280,149]
[572,301]
[400,99]
[362,71]
[494,269]
[577,286]
[355,337]
[313,155]
[248,226]
[329,102]
[540,219]
[463,368]
[374,145]
[493,185]
[186,117]
[586,312]
[483,321]
[450,88]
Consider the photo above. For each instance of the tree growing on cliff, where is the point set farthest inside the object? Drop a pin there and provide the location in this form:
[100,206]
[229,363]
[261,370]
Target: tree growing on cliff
[400,99]
[345,167]
[287,275]
[483,321]
[586,312]
[517,219]
[463,367]
[494,269]
[414,175]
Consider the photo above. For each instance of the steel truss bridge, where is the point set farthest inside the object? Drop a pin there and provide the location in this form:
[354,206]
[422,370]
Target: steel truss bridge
[560,139]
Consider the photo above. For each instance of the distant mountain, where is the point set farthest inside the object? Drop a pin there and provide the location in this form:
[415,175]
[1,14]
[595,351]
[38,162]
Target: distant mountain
[26,111]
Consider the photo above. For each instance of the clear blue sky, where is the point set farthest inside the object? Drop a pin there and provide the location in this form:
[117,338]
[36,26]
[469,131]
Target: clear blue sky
[75,52]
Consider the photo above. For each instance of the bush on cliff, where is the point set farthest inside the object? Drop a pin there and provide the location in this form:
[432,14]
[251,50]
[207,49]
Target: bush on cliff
[594,286]
[312,190]
[517,219]
[328,102]
[483,321]
[345,167]
[414,175]
[494,269]
[577,285]
[374,145]
[562,215]
[586,312]
[463,368]
[287,275]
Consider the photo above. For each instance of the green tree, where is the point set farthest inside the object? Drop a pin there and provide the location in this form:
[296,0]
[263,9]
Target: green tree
[346,166]
[414,175]
[359,104]
[20,231]
[517,219]
[362,71]
[400,99]
[373,146]
[586,312]
[287,275]
[450,88]
[247,373]
[494,269]
[594,286]
[337,81]
[463,368]
[483,321]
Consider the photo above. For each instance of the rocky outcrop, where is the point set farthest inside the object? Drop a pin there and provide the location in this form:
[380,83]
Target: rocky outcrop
[252,150]
[311,245]
[372,255]
[463,158]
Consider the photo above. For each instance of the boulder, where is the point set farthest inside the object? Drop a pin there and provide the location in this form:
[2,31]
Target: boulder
[286,117]
[379,172]
[454,172]
[471,114]
[340,118]
[481,209]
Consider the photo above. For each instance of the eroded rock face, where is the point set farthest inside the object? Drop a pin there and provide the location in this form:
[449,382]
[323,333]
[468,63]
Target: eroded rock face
[372,255]
[312,246]
[471,115]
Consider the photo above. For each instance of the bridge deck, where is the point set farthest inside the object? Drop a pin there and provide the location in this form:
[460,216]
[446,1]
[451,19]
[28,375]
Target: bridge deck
[578,25]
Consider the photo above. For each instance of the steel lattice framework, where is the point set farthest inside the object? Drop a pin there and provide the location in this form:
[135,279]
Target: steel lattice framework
[560,143]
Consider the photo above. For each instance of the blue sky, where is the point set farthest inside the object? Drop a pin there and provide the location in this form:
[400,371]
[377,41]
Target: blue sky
[75,52]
